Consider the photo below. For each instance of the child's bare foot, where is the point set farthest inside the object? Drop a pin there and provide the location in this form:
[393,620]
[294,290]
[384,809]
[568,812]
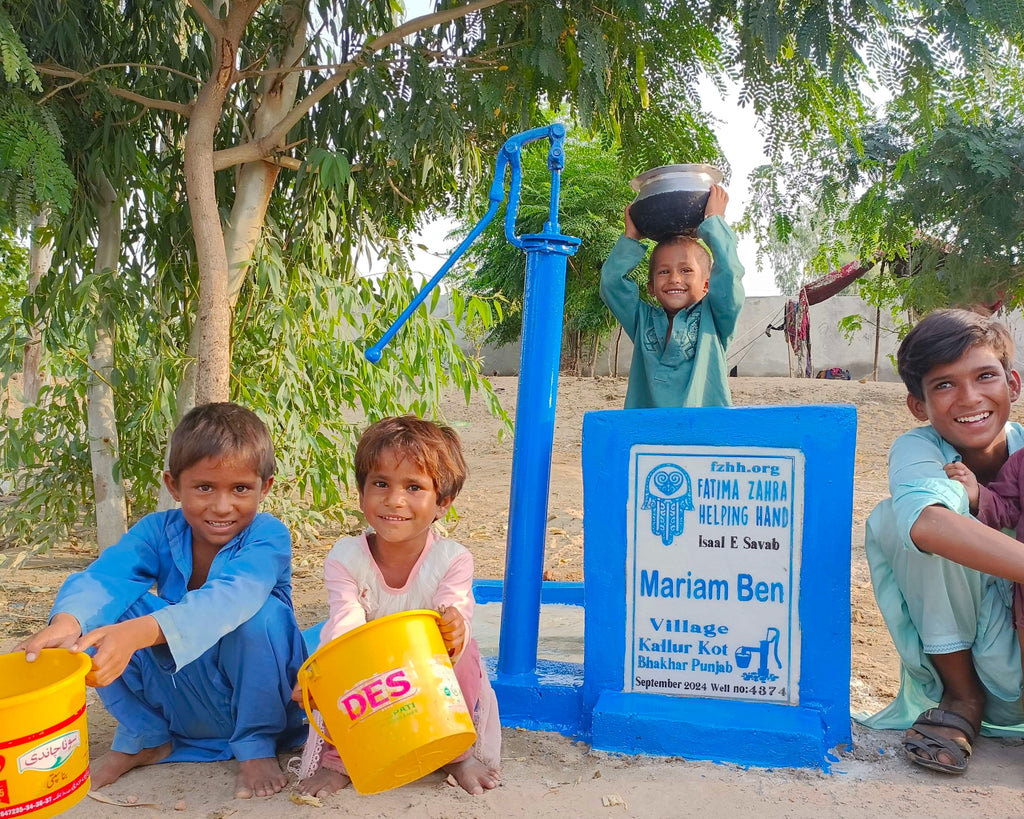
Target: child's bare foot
[259,777]
[323,783]
[473,775]
[113,764]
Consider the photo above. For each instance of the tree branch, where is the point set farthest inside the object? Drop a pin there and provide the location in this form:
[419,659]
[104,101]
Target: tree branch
[289,162]
[147,102]
[211,23]
[401,195]
[438,55]
[57,70]
[252,151]
[182,108]
[427,21]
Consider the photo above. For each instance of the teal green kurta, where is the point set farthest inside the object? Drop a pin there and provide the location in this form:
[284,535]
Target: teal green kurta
[691,369]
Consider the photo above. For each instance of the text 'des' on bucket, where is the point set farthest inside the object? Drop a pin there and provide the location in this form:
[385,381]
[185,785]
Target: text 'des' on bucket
[389,700]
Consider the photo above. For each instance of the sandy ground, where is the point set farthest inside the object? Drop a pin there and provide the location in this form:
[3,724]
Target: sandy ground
[546,775]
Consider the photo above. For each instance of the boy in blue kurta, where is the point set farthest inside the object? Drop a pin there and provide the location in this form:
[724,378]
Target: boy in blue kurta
[678,347]
[202,669]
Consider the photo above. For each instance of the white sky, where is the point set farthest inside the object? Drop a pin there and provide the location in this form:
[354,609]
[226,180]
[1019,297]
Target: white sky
[741,143]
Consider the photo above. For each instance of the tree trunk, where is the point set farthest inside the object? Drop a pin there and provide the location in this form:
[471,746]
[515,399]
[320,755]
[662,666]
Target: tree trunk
[111,515]
[256,180]
[615,367]
[253,189]
[39,258]
[212,329]
[878,331]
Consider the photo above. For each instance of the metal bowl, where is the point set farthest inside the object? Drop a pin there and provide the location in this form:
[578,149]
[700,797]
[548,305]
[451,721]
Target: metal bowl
[671,199]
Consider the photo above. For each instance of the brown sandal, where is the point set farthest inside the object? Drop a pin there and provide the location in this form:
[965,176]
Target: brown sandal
[924,750]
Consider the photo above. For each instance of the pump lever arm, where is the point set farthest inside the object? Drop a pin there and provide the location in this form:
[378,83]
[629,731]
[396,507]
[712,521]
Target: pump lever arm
[508,156]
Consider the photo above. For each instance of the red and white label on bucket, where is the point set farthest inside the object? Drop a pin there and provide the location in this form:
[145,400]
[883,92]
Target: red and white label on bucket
[376,693]
[48,799]
[49,755]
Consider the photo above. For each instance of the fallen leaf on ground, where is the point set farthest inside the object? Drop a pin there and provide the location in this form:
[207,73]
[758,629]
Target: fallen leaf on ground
[122,803]
[613,800]
[305,799]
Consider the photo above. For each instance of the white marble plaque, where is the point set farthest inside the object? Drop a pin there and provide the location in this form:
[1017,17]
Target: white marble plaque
[712,572]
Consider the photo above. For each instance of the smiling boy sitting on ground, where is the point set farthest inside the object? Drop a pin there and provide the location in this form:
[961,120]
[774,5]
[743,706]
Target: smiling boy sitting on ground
[202,669]
[941,577]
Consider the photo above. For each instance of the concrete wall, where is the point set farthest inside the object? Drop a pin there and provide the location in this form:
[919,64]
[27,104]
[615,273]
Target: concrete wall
[754,353]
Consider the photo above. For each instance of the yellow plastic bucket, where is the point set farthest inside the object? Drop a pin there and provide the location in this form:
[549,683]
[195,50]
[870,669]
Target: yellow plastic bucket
[44,739]
[389,698]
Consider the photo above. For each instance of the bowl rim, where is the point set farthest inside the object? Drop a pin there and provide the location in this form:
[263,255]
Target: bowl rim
[639,181]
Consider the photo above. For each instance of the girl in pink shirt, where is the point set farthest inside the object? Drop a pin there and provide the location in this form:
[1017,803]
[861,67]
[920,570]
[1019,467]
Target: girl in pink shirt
[409,472]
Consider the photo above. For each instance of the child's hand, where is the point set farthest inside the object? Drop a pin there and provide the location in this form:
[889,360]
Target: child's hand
[62,632]
[297,696]
[717,200]
[631,231]
[115,646]
[956,471]
[453,630]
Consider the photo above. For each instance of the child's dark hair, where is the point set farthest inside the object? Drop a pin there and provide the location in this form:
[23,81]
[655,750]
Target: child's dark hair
[682,239]
[434,448]
[219,430]
[942,337]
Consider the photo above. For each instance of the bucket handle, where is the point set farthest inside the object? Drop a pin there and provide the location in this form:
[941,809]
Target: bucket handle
[308,706]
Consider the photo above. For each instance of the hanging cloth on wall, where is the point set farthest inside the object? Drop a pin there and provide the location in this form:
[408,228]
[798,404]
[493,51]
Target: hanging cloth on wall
[798,331]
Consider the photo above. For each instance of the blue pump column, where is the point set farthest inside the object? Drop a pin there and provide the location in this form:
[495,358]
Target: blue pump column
[544,297]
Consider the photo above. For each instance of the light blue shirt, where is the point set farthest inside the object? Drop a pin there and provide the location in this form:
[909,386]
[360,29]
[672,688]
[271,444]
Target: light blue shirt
[157,551]
[917,479]
[932,605]
[690,370]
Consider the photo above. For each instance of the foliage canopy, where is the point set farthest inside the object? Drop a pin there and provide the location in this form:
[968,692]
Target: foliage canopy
[276,145]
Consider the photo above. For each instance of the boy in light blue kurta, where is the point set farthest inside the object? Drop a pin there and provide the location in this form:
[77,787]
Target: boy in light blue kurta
[942,579]
[202,669]
[679,347]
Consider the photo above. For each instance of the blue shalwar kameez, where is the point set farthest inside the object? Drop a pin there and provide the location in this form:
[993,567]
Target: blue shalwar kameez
[221,686]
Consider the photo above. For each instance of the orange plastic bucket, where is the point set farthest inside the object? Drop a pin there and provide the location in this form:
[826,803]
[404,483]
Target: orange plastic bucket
[44,739]
[389,698]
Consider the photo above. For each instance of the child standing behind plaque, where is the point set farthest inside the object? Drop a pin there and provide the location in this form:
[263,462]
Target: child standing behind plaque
[679,347]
